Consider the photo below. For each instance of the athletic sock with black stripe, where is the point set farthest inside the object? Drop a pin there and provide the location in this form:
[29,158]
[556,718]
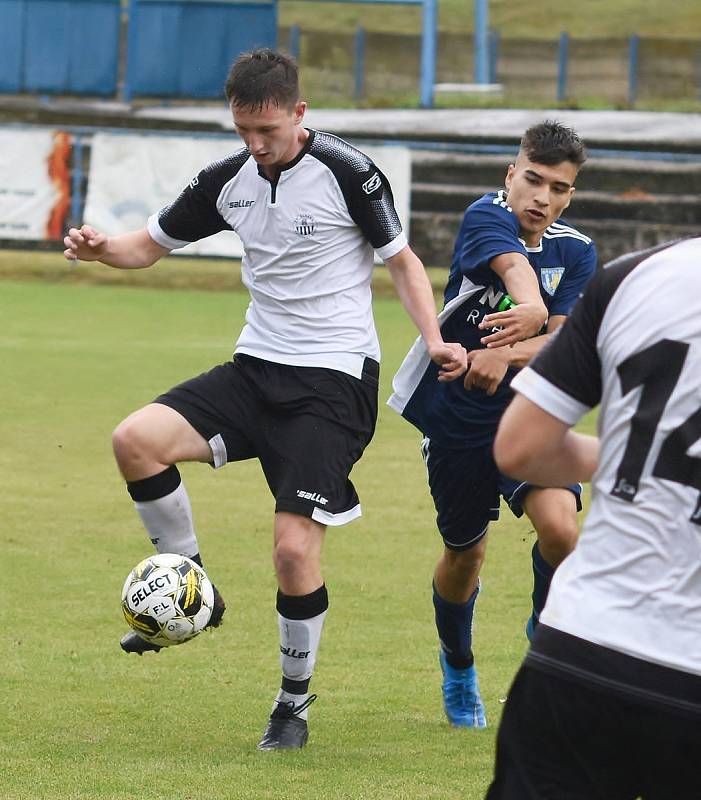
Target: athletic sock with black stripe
[301,620]
[163,504]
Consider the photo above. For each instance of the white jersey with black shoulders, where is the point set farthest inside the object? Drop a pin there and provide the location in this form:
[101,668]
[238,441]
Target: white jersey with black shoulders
[633,344]
[309,238]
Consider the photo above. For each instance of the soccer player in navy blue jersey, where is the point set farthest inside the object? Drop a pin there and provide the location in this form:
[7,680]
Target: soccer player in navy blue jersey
[513,249]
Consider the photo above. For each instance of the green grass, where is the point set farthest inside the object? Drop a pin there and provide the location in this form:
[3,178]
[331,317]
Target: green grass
[175,272]
[83,720]
[391,79]
[542,20]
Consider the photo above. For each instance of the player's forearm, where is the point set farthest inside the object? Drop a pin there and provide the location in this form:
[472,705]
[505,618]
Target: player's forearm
[519,279]
[134,250]
[532,445]
[416,294]
[521,353]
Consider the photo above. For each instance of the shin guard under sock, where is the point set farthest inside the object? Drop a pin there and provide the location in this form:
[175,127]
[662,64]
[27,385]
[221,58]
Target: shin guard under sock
[300,620]
[454,625]
[164,507]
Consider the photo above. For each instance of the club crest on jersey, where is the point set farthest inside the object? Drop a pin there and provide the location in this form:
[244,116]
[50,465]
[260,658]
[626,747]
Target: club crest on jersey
[550,278]
[305,224]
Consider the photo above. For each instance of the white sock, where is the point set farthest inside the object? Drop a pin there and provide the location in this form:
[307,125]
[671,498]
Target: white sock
[299,644]
[168,521]
[287,697]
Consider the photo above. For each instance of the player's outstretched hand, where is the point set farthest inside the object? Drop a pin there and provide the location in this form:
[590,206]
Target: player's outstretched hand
[514,325]
[84,244]
[451,357]
[486,369]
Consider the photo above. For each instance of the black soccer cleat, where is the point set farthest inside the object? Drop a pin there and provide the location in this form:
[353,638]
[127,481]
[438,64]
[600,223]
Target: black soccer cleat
[131,642]
[217,610]
[286,730]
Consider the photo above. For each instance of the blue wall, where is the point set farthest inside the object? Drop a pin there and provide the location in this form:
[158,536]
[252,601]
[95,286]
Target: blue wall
[59,46]
[175,48]
[184,48]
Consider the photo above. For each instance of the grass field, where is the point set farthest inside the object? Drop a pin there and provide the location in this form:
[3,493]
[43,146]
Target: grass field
[542,20]
[83,720]
[387,83]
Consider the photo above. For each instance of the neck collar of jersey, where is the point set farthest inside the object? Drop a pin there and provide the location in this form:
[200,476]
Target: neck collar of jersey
[537,249]
[303,152]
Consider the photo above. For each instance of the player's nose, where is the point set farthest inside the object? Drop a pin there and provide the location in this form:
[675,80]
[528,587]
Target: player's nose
[542,196]
[255,144]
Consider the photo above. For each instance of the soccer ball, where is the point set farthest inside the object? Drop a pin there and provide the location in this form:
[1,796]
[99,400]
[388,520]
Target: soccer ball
[167,599]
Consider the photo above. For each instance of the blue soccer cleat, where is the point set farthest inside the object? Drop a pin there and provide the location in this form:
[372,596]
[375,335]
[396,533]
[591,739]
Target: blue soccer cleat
[461,696]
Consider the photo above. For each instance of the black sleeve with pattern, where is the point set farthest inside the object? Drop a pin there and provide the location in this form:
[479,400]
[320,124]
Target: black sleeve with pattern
[570,360]
[365,189]
[194,215]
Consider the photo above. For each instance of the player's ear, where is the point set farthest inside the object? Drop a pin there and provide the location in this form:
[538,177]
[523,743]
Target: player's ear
[509,175]
[299,109]
[569,197]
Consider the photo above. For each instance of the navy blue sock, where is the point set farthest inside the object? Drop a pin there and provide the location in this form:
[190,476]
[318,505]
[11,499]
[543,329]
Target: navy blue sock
[542,575]
[454,624]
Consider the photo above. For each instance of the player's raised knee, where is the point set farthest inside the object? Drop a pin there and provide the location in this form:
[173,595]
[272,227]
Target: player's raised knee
[131,440]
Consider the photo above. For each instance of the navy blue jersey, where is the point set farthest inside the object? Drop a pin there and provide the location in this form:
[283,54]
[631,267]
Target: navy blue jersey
[564,261]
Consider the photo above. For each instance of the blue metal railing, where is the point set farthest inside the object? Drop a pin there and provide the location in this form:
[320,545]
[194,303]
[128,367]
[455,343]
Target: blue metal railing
[481,39]
[633,49]
[562,59]
[359,58]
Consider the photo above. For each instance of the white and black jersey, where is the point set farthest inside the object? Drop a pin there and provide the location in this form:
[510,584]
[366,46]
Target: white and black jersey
[309,237]
[633,344]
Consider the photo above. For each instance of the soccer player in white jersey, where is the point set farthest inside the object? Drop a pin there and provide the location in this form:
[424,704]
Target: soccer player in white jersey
[511,243]
[300,393]
[607,705]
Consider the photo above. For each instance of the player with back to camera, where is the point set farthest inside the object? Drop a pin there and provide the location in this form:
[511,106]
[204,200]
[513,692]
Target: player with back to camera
[512,247]
[300,393]
[607,704]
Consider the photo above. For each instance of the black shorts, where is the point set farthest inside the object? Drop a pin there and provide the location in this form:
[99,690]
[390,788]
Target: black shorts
[465,485]
[306,425]
[566,740]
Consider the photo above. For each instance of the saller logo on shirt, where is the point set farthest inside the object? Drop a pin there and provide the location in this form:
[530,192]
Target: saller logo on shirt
[241,203]
[372,184]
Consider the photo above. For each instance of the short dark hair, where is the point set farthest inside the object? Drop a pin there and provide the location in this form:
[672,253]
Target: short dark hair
[550,143]
[262,77]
